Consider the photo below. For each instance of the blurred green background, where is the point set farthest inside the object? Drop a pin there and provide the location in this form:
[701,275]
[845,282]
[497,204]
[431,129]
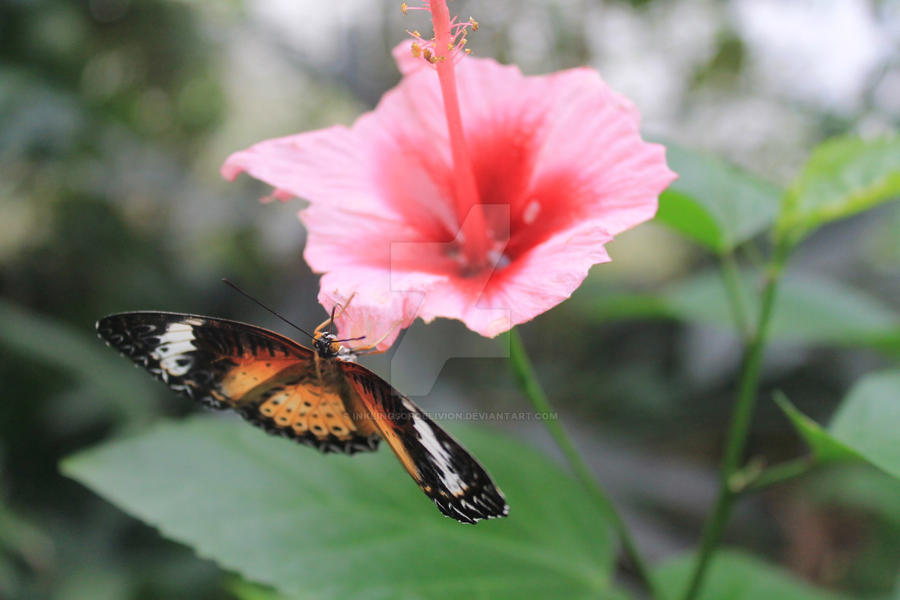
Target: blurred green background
[115,116]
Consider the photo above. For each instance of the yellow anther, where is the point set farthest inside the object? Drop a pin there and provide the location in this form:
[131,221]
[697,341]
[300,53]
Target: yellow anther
[473,23]
[403,8]
[468,51]
[428,55]
[416,33]
[416,49]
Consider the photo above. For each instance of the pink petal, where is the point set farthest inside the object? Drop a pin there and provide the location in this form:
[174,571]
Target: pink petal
[594,140]
[327,165]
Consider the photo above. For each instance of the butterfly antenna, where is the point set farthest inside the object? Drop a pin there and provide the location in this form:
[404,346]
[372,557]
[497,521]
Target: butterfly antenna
[331,320]
[248,296]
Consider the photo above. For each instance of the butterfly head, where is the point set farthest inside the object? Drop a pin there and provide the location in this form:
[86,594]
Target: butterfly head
[327,345]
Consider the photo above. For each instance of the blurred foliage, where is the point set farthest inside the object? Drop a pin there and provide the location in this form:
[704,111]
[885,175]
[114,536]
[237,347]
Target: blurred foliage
[112,119]
[737,576]
[807,309]
[98,112]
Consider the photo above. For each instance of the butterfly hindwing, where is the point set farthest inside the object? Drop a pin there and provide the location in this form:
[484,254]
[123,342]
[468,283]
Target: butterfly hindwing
[268,378]
[446,472]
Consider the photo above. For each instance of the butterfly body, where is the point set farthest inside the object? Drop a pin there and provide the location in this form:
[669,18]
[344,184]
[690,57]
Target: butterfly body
[319,397]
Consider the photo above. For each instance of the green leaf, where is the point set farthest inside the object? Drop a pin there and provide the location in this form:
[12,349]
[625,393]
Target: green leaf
[714,203]
[734,575]
[868,420]
[346,527]
[80,354]
[688,217]
[843,176]
[866,426]
[824,447]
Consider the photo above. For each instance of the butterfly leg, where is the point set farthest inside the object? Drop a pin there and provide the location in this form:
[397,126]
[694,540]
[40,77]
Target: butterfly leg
[331,319]
[370,348]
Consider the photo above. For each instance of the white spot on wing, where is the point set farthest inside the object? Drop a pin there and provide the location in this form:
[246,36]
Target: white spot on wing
[440,456]
[173,344]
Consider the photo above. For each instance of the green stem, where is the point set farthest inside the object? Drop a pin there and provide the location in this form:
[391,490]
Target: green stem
[779,474]
[741,418]
[732,279]
[527,380]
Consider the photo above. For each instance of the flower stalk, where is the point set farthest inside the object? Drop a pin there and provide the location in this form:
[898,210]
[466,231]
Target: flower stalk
[733,288]
[531,387]
[736,441]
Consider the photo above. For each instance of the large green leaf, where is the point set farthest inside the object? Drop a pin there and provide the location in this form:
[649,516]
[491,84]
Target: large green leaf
[807,309]
[734,575]
[714,203]
[866,426]
[347,527]
[843,176]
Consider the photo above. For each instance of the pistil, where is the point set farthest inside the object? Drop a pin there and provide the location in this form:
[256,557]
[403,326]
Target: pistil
[448,41]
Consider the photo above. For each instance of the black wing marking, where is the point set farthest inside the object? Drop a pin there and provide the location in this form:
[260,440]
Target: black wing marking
[446,472]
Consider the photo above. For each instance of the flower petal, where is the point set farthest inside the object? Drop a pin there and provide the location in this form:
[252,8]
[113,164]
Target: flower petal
[326,165]
[594,140]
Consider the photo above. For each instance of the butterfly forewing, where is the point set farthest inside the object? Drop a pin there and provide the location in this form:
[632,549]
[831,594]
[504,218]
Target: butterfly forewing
[446,472]
[268,378]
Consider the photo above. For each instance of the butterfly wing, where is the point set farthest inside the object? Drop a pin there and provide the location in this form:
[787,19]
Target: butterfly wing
[268,378]
[446,472]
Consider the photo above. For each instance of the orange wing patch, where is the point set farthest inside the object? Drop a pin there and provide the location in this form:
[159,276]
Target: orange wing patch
[301,408]
[309,408]
[249,376]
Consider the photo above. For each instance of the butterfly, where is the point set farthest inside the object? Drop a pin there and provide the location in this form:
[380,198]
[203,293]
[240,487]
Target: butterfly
[320,397]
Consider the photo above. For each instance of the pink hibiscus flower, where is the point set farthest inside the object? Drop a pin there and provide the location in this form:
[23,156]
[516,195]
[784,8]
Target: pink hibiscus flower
[476,193]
